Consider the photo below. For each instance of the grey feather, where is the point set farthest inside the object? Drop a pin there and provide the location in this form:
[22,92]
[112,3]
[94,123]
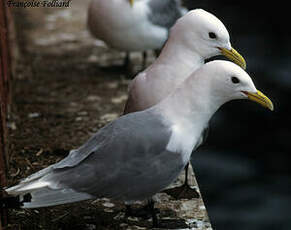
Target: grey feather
[164,13]
[125,160]
[133,166]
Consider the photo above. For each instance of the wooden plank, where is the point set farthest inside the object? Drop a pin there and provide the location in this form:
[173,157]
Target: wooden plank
[4,99]
[3,213]
[4,50]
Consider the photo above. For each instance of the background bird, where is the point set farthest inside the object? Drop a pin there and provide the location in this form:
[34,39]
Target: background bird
[133,25]
[140,154]
[195,37]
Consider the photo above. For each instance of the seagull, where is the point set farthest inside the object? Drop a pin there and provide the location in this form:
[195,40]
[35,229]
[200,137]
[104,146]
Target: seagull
[129,25]
[195,37]
[139,154]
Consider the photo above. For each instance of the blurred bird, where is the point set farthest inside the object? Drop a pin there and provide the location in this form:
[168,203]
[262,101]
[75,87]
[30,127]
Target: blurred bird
[133,25]
[140,154]
[195,37]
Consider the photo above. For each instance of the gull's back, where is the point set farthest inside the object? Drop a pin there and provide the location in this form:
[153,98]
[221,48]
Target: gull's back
[124,27]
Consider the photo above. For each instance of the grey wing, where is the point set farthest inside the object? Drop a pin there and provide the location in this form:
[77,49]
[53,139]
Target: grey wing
[164,13]
[76,156]
[131,164]
[93,144]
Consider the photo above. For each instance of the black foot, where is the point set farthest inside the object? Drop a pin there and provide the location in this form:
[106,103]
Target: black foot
[148,211]
[157,53]
[182,192]
[143,212]
[151,205]
[126,68]
[120,69]
[172,224]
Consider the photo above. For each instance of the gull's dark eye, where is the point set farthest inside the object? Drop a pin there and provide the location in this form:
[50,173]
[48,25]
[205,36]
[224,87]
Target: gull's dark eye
[212,35]
[234,80]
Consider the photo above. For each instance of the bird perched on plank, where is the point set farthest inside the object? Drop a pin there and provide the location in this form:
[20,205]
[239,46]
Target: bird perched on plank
[133,25]
[140,154]
[195,37]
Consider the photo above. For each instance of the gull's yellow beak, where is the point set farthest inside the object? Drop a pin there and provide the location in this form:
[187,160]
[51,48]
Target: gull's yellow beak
[131,2]
[234,56]
[260,98]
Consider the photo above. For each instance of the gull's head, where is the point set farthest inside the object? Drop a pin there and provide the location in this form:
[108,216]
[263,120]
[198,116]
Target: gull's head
[227,81]
[206,35]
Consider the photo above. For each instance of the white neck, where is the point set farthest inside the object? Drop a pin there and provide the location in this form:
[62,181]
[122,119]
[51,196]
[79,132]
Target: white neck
[191,106]
[186,117]
[182,60]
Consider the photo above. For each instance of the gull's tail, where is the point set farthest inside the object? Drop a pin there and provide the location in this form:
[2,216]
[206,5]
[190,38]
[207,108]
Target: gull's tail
[35,191]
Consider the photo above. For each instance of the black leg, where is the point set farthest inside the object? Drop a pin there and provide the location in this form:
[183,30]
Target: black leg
[184,191]
[151,205]
[144,59]
[143,212]
[186,175]
[157,53]
[128,210]
[126,62]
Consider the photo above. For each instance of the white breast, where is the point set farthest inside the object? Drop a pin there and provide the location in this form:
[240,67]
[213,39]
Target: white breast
[183,141]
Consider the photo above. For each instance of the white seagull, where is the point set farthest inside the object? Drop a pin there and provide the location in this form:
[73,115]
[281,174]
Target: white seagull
[195,37]
[129,25]
[140,154]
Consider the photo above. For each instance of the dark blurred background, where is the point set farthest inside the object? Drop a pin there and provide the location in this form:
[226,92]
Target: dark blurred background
[244,169]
